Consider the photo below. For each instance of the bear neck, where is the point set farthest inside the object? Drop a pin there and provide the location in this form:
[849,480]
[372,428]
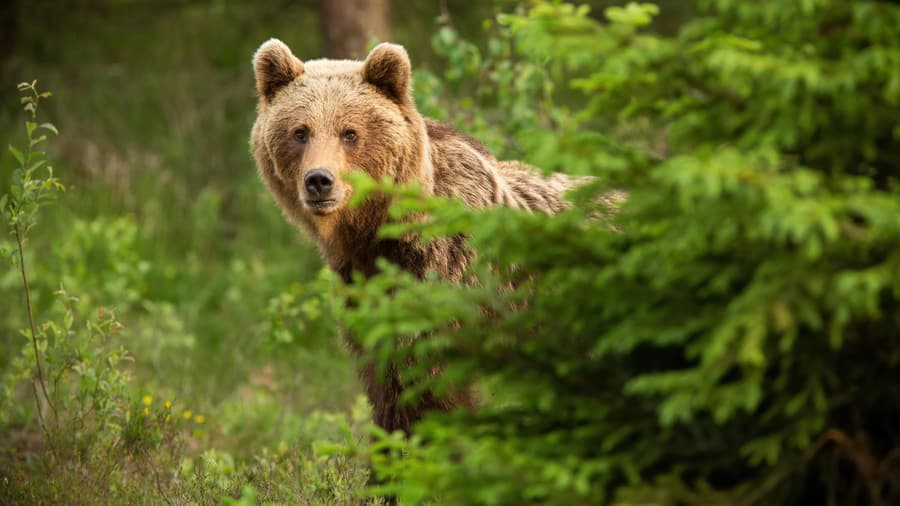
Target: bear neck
[356,246]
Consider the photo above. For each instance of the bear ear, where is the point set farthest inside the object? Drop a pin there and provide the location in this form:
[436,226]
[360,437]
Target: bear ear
[387,67]
[275,67]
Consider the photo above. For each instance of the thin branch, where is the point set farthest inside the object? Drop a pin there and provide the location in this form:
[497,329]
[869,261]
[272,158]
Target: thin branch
[37,355]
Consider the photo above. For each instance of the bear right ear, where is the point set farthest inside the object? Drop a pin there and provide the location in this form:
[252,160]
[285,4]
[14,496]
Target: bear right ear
[275,67]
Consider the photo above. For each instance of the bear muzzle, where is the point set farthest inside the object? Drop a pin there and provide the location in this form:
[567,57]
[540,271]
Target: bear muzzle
[322,194]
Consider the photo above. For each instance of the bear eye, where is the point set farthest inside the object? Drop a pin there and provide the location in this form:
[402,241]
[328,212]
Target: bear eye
[349,136]
[301,135]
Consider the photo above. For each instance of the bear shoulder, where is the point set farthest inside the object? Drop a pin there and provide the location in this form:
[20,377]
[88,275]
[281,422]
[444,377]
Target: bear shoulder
[465,169]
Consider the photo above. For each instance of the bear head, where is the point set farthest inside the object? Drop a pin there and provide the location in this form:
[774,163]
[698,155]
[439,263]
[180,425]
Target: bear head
[323,119]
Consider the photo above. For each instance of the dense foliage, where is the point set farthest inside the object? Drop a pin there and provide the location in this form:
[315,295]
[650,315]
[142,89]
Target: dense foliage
[730,336]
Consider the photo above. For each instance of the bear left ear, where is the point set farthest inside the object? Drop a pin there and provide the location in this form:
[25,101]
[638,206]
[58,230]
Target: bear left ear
[388,68]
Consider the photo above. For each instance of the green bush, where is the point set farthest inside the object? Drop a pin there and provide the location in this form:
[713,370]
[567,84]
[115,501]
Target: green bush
[730,336]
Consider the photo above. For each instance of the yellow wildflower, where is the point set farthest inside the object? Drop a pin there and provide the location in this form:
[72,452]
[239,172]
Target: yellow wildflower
[199,418]
[146,411]
[148,400]
[186,414]
[168,404]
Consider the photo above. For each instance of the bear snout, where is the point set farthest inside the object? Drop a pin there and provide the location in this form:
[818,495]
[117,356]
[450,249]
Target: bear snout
[319,183]
[321,192]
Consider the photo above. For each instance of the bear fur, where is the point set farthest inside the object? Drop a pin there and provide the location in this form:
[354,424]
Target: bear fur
[341,116]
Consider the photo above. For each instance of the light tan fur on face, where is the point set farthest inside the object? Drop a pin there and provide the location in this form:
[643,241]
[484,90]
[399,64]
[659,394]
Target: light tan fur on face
[374,99]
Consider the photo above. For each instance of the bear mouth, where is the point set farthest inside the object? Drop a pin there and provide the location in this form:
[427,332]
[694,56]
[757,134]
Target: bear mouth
[322,206]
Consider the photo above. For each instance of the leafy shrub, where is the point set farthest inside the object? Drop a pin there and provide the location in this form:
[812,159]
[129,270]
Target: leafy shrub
[730,335]
[72,363]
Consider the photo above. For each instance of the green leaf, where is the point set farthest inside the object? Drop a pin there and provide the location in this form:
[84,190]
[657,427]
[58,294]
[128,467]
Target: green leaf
[49,126]
[36,165]
[17,154]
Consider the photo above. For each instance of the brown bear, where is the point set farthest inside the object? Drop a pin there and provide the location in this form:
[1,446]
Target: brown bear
[321,119]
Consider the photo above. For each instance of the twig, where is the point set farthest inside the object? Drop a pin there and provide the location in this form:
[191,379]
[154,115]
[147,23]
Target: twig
[155,473]
[37,355]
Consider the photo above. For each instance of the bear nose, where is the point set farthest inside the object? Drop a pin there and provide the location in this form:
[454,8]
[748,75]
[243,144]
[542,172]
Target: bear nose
[319,182]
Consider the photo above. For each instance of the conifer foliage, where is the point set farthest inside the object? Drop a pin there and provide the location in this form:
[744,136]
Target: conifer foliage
[732,334]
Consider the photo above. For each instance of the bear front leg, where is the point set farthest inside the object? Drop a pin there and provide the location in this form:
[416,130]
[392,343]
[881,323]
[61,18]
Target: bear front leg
[384,395]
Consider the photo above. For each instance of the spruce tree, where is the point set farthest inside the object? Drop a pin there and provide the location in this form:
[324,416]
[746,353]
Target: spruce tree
[732,334]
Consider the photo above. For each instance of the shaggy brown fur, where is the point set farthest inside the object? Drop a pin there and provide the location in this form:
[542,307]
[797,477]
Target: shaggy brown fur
[343,116]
